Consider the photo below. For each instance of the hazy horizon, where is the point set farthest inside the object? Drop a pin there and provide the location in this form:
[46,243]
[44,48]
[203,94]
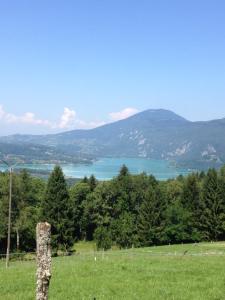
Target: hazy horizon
[57,130]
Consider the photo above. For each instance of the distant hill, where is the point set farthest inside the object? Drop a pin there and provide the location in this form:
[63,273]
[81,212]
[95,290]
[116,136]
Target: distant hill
[157,134]
[36,153]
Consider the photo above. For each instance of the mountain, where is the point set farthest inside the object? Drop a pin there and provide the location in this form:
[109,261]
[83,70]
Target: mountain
[157,134]
[37,153]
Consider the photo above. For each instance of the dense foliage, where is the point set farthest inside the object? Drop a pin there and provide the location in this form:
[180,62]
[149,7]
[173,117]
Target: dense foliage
[129,210]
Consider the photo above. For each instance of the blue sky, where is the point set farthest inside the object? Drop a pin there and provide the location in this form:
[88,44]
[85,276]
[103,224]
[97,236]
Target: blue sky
[79,64]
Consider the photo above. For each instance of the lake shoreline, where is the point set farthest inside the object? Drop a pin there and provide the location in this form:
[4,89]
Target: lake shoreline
[105,168]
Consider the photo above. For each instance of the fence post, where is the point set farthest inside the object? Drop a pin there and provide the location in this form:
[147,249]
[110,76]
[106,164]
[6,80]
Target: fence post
[43,236]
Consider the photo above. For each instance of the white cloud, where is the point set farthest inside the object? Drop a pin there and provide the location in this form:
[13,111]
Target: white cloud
[27,118]
[123,114]
[67,118]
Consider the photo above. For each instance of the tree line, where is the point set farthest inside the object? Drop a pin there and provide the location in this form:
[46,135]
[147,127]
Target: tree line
[129,210]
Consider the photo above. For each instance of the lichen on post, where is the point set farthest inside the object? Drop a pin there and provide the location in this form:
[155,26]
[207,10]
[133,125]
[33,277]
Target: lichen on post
[43,236]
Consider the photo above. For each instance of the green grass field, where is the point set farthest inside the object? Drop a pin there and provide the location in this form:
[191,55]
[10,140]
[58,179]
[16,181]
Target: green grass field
[178,272]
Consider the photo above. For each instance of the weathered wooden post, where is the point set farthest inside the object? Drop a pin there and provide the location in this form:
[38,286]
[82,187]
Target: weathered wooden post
[43,236]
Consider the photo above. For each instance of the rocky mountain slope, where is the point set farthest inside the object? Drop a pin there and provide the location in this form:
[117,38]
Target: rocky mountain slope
[158,134]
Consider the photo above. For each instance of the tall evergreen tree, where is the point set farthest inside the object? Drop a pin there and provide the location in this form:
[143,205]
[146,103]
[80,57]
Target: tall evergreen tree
[98,209]
[4,203]
[221,183]
[23,226]
[78,196]
[191,193]
[124,187]
[84,180]
[26,193]
[92,182]
[123,171]
[151,218]
[56,210]
[191,202]
[213,210]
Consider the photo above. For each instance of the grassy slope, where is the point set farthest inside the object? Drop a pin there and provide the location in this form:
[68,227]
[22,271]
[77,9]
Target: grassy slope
[149,273]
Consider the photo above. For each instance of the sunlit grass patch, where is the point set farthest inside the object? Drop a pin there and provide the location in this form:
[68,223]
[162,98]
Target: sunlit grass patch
[179,272]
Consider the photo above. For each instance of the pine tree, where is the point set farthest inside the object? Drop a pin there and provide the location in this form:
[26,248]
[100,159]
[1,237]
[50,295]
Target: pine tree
[123,172]
[27,197]
[23,225]
[221,183]
[4,200]
[191,202]
[213,212]
[56,210]
[84,180]
[191,193]
[97,209]
[92,182]
[78,196]
[150,220]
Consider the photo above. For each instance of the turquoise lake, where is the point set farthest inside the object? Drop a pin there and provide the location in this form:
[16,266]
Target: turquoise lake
[107,168]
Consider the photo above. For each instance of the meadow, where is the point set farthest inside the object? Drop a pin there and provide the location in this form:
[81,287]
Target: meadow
[176,272]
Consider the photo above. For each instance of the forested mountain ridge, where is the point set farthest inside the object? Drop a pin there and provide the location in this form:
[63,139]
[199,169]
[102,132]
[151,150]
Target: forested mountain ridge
[157,134]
